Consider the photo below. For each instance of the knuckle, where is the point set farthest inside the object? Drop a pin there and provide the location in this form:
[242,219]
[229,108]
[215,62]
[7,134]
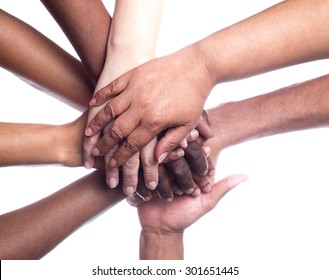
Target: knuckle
[155,123]
[109,111]
[115,132]
[131,145]
[132,163]
[180,168]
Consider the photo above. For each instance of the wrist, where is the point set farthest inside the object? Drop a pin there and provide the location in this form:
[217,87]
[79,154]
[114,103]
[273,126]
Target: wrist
[70,142]
[157,244]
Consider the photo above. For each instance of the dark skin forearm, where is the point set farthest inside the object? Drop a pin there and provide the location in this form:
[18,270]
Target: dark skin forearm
[43,64]
[87,26]
[31,232]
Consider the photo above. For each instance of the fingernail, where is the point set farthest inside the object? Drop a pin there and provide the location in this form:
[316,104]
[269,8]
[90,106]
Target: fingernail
[189,191]
[180,153]
[196,192]
[87,165]
[194,134]
[92,102]
[113,163]
[112,183]
[88,131]
[95,151]
[129,191]
[207,188]
[152,185]
[162,157]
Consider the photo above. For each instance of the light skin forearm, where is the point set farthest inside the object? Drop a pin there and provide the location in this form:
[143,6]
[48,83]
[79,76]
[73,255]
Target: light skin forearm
[297,107]
[132,39]
[31,232]
[288,33]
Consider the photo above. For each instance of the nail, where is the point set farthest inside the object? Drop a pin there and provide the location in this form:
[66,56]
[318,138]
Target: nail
[95,152]
[113,163]
[112,183]
[88,131]
[152,185]
[92,101]
[162,157]
[129,191]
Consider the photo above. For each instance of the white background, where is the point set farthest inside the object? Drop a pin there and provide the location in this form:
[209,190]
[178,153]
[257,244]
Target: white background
[274,226]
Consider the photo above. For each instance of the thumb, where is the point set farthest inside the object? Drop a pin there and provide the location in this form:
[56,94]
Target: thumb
[112,89]
[225,185]
[170,141]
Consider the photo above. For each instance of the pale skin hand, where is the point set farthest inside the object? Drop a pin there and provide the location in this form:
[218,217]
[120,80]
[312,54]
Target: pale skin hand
[205,63]
[163,223]
[131,42]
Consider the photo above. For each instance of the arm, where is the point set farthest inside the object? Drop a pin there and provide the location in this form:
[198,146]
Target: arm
[132,41]
[53,70]
[87,26]
[163,224]
[31,232]
[297,107]
[288,33]
[63,76]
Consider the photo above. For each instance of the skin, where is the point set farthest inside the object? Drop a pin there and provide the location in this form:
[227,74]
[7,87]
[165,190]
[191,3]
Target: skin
[63,76]
[205,63]
[70,207]
[132,41]
[90,36]
[235,123]
[87,33]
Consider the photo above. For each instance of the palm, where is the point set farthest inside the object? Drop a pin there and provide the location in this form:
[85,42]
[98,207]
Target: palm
[184,210]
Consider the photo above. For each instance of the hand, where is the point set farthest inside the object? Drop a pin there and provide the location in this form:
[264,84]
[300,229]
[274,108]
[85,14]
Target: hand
[184,210]
[164,94]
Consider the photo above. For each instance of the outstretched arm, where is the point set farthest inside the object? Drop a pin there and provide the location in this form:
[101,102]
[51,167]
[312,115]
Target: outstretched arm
[87,26]
[43,64]
[32,231]
[288,33]
[297,107]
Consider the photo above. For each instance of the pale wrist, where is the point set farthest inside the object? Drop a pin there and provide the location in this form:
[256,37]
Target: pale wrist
[161,245]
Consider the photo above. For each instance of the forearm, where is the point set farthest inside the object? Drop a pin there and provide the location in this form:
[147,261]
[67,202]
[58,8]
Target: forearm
[298,107]
[22,144]
[38,61]
[87,26]
[291,32]
[157,245]
[132,39]
[31,232]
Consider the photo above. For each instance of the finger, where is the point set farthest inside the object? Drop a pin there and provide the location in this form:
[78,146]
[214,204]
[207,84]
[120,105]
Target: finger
[193,135]
[204,126]
[164,188]
[108,113]
[135,200]
[150,165]
[88,145]
[181,173]
[174,155]
[196,158]
[130,174]
[225,185]
[116,133]
[143,192]
[112,174]
[138,139]
[111,90]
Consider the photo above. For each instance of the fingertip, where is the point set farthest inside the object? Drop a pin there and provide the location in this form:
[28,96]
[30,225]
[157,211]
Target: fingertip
[88,131]
[92,102]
